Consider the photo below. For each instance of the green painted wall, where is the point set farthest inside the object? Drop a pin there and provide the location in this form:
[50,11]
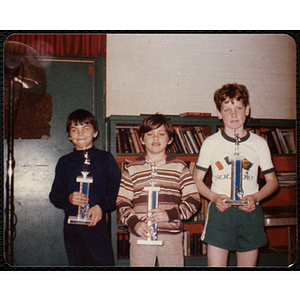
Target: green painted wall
[39,239]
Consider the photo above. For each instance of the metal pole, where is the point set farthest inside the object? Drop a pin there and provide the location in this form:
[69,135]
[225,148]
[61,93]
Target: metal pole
[12,67]
[10,210]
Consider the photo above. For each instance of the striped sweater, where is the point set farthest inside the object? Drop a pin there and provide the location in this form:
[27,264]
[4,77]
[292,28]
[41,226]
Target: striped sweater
[178,194]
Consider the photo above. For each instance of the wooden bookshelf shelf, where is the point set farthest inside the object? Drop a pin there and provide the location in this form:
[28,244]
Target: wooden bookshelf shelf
[284,162]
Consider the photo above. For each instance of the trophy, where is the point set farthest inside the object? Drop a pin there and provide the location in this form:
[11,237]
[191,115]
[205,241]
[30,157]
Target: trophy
[84,187]
[152,204]
[237,192]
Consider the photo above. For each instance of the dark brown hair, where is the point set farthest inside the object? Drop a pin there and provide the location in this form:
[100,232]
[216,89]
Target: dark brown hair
[155,121]
[231,91]
[81,116]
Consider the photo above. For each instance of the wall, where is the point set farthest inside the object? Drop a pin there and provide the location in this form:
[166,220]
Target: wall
[171,74]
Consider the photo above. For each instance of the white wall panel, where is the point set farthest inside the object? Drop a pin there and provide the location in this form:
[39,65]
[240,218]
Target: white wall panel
[171,74]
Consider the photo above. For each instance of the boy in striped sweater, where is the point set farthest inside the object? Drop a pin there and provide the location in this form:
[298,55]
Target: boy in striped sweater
[178,198]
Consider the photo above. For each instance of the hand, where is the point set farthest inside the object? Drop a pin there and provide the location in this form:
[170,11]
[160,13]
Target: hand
[142,229]
[251,206]
[220,204]
[77,198]
[95,214]
[157,215]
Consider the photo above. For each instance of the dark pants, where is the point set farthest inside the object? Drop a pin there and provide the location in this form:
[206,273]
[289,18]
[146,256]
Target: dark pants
[88,246]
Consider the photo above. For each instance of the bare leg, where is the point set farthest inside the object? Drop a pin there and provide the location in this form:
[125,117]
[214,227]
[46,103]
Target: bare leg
[247,259]
[217,257]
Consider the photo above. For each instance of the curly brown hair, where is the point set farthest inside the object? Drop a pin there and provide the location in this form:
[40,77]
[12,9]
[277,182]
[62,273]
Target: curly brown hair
[231,91]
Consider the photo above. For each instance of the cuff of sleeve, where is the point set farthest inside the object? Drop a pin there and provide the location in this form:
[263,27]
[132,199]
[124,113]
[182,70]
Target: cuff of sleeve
[132,222]
[172,214]
[201,168]
[268,171]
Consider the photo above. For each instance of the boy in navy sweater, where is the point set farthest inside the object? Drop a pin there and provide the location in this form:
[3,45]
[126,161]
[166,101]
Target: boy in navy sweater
[86,245]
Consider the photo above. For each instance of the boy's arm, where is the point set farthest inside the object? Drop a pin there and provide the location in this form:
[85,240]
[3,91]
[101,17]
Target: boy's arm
[268,189]
[190,199]
[114,177]
[59,195]
[266,165]
[124,202]
[208,193]
[203,190]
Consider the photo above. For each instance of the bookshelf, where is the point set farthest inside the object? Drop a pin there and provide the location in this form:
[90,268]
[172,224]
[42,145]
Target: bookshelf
[284,162]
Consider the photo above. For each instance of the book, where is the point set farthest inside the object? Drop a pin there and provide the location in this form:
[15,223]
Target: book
[288,136]
[268,136]
[180,137]
[177,144]
[130,141]
[196,137]
[135,142]
[282,141]
[191,140]
[187,142]
[124,140]
[276,141]
[195,114]
[196,244]
[200,133]
[186,243]
[119,143]
[123,242]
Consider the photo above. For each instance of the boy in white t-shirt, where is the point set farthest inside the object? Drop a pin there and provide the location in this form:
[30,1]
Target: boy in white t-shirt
[228,227]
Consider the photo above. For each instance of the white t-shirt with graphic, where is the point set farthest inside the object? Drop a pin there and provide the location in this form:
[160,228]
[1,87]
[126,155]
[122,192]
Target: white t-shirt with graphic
[217,151]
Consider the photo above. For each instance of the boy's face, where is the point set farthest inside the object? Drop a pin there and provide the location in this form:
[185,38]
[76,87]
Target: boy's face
[233,113]
[82,135]
[156,140]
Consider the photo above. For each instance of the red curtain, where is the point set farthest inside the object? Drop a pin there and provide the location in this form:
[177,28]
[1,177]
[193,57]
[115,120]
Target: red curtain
[91,45]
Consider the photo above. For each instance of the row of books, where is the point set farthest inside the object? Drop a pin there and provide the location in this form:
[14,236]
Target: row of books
[280,141]
[192,244]
[187,140]
[286,178]
[128,140]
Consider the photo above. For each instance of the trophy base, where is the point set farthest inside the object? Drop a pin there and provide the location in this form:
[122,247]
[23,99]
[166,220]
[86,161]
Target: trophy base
[149,242]
[236,202]
[77,221]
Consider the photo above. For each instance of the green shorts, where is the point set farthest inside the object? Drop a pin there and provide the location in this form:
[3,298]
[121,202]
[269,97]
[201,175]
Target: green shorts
[235,230]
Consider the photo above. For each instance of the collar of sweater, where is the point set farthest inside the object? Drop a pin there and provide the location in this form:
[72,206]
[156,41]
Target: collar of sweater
[81,152]
[167,158]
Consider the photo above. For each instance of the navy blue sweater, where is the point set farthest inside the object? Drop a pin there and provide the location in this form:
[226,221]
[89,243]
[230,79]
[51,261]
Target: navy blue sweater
[106,179]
